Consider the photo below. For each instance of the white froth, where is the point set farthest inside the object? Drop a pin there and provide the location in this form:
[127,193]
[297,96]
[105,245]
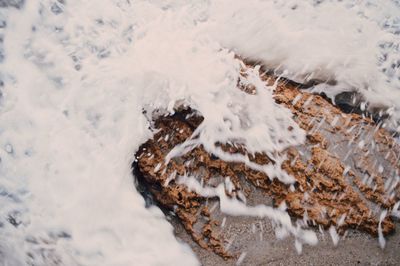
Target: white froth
[382,241]
[352,44]
[334,235]
[234,207]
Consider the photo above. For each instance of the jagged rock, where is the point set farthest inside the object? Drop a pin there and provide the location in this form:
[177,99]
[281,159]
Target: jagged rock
[346,172]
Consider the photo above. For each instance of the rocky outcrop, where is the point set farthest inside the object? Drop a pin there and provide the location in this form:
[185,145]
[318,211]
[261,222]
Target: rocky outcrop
[346,172]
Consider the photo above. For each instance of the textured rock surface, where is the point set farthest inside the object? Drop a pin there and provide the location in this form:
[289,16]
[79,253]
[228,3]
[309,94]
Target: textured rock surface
[346,174]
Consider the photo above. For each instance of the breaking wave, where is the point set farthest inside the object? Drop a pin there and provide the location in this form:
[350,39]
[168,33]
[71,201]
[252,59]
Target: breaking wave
[76,76]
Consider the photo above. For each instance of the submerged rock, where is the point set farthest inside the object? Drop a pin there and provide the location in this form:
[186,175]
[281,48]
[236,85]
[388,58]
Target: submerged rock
[12,3]
[346,173]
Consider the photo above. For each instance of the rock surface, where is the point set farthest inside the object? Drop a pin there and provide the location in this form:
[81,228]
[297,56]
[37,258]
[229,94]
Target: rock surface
[346,174]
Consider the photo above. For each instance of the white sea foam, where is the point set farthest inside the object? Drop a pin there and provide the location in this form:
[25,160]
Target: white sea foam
[382,241]
[334,235]
[77,74]
[235,207]
[354,44]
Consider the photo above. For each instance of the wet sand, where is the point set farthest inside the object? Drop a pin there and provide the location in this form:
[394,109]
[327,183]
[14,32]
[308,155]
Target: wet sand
[263,248]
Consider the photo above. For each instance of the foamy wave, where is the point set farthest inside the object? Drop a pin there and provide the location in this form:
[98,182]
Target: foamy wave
[76,76]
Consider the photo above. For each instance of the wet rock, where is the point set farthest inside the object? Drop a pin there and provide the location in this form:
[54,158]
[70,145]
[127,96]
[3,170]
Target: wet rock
[353,102]
[349,102]
[346,172]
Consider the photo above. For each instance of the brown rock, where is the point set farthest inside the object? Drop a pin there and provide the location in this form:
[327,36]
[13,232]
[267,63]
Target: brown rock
[345,171]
